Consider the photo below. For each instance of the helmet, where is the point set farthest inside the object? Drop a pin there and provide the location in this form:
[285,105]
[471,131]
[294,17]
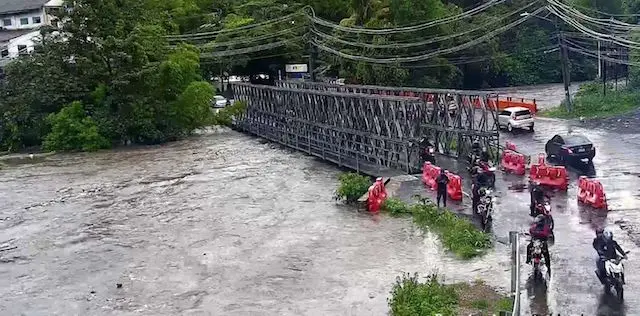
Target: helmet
[608,235]
[539,219]
[599,232]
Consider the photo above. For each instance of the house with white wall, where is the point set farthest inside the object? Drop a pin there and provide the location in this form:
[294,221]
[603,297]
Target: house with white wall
[20,21]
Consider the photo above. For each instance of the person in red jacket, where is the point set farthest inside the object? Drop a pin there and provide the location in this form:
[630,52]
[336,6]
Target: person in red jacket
[540,230]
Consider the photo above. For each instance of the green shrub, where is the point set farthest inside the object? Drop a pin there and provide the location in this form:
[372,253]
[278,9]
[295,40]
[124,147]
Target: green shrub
[72,129]
[226,115]
[590,102]
[352,186]
[395,207]
[409,297]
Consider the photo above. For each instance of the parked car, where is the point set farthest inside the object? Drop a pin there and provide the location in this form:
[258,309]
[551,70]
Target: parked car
[516,117]
[568,148]
[219,102]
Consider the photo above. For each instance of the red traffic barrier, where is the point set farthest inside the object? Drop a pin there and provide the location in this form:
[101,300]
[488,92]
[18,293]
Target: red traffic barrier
[430,174]
[377,196]
[591,192]
[514,162]
[510,146]
[454,188]
[551,176]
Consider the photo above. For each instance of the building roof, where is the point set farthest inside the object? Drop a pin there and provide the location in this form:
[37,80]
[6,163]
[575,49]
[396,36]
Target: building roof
[15,6]
[6,36]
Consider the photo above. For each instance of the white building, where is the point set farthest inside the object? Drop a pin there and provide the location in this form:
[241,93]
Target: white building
[20,21]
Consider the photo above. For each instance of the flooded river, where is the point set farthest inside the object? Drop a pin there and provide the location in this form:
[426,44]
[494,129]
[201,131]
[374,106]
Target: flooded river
[220,224]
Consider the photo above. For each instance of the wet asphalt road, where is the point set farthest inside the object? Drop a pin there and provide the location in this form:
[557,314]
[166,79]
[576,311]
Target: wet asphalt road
[573,288]
[222,224]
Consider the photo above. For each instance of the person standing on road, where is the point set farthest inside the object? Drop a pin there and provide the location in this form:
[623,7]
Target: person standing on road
[442,182]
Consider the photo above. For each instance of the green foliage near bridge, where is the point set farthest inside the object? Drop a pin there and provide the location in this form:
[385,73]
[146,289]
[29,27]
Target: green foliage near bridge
[410,296]
[139,66]
[457,234]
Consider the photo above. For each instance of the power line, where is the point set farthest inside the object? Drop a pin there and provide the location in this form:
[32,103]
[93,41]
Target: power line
[242,51]
[241,28]
[428,55]
[419,43]
[406,29]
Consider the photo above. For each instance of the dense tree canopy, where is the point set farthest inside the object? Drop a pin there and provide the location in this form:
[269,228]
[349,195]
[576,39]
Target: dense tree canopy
[137,71]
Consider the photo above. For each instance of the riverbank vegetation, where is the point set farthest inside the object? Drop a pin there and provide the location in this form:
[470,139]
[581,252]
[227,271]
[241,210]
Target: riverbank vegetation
[591,102]
[457,234]
[141,68]
[352,186]
[411,297]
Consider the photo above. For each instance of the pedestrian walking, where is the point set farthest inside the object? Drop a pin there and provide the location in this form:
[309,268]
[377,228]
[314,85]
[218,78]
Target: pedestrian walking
[442,182]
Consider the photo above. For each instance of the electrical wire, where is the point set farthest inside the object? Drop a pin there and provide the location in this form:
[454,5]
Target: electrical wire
[419,43]
[428,55]
[242,51]
[604,23]
[245,41]
[241,28]
[406,29]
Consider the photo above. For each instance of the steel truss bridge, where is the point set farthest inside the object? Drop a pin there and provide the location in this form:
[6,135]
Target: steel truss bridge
[370,129]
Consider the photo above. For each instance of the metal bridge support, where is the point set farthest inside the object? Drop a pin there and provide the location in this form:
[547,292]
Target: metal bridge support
[359,131]
[454,118]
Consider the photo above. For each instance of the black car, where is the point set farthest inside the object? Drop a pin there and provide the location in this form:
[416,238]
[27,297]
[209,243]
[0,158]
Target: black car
[567,148]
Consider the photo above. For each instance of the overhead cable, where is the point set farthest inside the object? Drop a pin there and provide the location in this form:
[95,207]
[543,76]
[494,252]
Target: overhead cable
[405,29]
[241,28]
[248,50]
[428,55]
[418,43]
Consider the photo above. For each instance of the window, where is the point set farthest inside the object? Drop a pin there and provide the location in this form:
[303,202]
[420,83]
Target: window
[36,20]
[22,49]
[523,113]
[6,22]
[4,53]
[24,21]
[505,113]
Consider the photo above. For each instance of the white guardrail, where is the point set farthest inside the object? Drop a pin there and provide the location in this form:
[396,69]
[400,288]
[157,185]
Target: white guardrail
[516,293]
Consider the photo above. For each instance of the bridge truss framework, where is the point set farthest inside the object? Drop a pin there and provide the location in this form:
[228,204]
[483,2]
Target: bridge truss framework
[367,128]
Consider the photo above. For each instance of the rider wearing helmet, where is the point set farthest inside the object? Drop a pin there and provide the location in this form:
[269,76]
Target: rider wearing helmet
[540,230]
[484,155]
[537,196]
[608,249]
[599,244]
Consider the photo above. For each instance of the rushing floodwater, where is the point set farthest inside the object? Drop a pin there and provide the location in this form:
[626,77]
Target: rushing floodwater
[220,224]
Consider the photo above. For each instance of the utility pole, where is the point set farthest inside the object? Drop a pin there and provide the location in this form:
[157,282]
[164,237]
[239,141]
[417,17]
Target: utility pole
[599,61]
[564,56]
[604,75]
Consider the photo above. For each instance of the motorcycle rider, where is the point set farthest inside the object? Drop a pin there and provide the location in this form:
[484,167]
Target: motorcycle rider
[537,197]
[484,155]
[442,182]
[475,192]
[423,146]
[607,249]
[540,230]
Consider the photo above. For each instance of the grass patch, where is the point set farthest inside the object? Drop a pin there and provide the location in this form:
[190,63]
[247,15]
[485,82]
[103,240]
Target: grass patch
[352,186]
[396,207]
[411,297]
[590,102]
[457,234]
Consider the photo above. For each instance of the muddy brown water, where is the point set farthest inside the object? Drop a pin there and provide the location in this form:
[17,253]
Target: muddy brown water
[219,224]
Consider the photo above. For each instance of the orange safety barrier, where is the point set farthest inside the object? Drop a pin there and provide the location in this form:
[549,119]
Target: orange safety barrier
[514,162]
[551,176]
[377,196]
[509,102]
[454,188]
[510,146]
[591,192]
[429,175]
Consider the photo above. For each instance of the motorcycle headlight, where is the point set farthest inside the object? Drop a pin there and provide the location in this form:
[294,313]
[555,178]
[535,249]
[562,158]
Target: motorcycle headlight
[492,169]
[547,208]
[431,150]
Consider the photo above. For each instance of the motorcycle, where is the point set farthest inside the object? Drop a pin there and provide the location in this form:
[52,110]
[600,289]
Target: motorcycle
[485,208]
[428,154]
[545,209]
[537,259]
[614,270]
[487,169]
